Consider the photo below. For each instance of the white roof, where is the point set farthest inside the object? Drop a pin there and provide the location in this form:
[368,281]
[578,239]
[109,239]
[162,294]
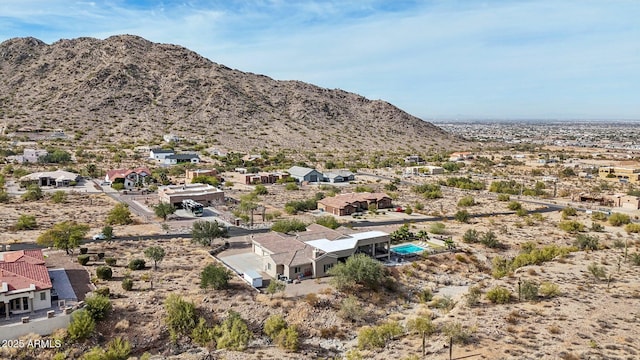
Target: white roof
[59,175]
[329,246]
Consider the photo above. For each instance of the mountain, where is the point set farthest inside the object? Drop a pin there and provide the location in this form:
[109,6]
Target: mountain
[128,89]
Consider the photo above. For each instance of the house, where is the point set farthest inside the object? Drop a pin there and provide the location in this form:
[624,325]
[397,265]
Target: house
[313,252]
[429,169]
[200,172]
[339,176]
[160,154]
[251,158]
[129,178]
[56,178]
[180,159]
[631,175]
[414,159]
[347,204]
[264,178]
[460,156]
[304,174]
[25,285]
[202,193]
[169,138]
[33,155]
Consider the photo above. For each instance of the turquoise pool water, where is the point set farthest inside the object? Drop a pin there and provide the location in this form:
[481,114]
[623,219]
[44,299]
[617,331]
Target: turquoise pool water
[407,249]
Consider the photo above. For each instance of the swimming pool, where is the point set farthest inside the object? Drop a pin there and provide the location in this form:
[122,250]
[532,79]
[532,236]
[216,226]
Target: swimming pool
[407,249]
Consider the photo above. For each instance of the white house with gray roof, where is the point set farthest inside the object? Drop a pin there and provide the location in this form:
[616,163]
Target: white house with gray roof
[302,174]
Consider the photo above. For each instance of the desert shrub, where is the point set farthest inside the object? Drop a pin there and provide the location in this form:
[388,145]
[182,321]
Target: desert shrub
[288,339]
[260,190]
[490,240]
[291,186]
[569,211]
[632,228]
[26,222]
[273,325]
[234,333]
[137,264]
[473,296]
[110,261]
[599,216]
[471,236]
[127,284]
[103,291]
[288,225]
[83,259]
[597,227]
[445,303]
[81,326]
[351,309]
[359,269]
[425,295]
[214,276]
[466,201]
[529,290]
[522,212]
[499,295]
[504,197]
[619,219]
[180,316]
[202,334]
[372,337]
[311,299]
[571,226]
[586,242]
[456,332]
[514,205]
[437,228]
[104,273]
[462,216]
[428,191]
[635,259]
[98,306]
[328,221]
[598,272]
[549,289]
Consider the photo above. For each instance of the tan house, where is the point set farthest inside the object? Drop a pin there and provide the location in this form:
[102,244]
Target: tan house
[202,193]
[313,252]
[25,285]
[200,172]
[347,204]
[631,175]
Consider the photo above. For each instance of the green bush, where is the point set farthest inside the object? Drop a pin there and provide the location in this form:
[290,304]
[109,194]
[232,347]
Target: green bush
[372,337]
[473,296]
[632,228]
[102,291]
[83,259]
[462,216]
[291,186]
[569,211]
[586,242]
[202,334]
[104,273]
[571,226]
[504,197]
[110,261]
[81,326]
[98,306]
[499,295]
[234,333]
[359,269]
[26,222]
[599,216]
[180,316]
[425,295]
[619,219]
[635,259]
[137,264]
[490,240]
[466,201]
[215,276]
[288,225]
[288,339]
[127,284]
[529,290]
[328,221]
[471,236]
[351,309]
[549,289]
[273,325]
[514,205]
[437,228]
[456,332]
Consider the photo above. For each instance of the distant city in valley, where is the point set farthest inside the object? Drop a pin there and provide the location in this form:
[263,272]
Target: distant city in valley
[614,134]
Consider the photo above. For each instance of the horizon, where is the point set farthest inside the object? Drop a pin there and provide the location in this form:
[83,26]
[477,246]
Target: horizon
[437,60]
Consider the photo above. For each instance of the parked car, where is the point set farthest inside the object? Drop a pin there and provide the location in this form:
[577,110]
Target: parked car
[100,236]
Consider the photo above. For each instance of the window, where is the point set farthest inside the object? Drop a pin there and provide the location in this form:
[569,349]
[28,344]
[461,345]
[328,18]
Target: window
[43,296]
[296,269]
[327,267]
[25,303]
[268,266]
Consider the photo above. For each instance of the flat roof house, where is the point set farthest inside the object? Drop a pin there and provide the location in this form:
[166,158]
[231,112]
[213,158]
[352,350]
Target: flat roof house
[313,252]
[631,175]
[347,204]
[25,285]
[202,193]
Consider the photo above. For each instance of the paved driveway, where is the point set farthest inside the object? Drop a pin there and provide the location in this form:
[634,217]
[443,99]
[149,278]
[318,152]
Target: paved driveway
[244,262]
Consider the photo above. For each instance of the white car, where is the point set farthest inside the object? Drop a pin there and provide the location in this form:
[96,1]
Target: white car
[100,236]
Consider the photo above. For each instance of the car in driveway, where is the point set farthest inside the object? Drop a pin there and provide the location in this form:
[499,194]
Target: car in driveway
[100,236]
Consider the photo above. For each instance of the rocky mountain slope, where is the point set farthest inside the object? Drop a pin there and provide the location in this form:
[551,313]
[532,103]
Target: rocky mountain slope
[128,88]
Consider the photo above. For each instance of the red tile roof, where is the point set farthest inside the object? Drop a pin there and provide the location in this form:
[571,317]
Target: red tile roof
[122,173]
[21,275]
[340,201]
[30,256]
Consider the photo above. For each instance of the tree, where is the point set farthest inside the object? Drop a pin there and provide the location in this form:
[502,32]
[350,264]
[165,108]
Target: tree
[91,169]
[275,286]
[180,316]
[107,231]
[273,325]
[233,333]
[34,192]
[26,222]
[65,235]
[205,232]
[288,338]
[214,276]
[423,326]
[119,215]
[163,210]
[359,269]
[155,253]
[98,306]
[289,225]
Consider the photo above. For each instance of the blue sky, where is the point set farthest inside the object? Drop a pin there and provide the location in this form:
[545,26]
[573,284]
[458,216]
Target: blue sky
[436,59]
